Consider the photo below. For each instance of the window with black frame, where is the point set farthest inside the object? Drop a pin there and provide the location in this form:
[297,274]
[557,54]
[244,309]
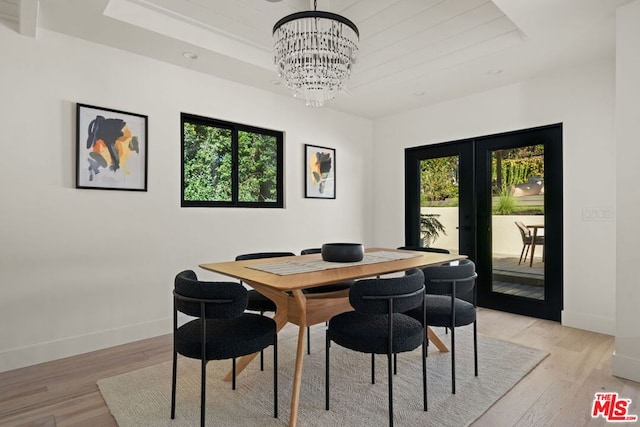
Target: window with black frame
[227,164]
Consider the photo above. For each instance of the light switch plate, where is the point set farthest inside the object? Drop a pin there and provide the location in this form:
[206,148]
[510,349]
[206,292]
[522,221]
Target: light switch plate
[598,214]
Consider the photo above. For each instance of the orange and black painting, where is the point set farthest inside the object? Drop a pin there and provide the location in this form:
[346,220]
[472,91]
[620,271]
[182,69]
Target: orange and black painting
[111,149]
[320,172]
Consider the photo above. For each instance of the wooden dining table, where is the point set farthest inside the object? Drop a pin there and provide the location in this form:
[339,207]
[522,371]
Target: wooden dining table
[294,306]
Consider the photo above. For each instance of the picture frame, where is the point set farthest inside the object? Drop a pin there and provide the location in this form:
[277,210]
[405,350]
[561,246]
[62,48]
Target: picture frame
[319,172]
[111,149]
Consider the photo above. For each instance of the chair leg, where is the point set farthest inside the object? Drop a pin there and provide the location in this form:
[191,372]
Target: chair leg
[453,360]
[173,386]
[275,377]
[533,250]
[326,371]
[262,351]
[475,348]
[203,399]
[425,353]
[308,340]
[389,371]
[424,373]
[233,373]
[395,363]
[373,368]
[521,253]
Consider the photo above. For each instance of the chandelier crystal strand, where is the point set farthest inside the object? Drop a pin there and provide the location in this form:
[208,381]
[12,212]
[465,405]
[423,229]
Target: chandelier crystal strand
[314,53]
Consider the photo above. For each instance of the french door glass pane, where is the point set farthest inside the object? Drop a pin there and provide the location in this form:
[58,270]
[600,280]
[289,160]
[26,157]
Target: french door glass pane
[439,203]
[517,221]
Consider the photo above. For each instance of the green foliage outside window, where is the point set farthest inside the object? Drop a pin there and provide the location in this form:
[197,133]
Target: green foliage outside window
[515,166]
[430,229]
[225,164]
[506,204]
[439,180]
[257,156]
[207,163]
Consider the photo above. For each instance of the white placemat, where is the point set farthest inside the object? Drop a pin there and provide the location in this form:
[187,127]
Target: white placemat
[285,268]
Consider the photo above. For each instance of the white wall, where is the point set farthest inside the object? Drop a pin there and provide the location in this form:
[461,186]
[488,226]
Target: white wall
[87,269]
[583,100]
[626,360]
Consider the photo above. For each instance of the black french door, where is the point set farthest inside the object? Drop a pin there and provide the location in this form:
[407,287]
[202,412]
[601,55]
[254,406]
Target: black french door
[498,200]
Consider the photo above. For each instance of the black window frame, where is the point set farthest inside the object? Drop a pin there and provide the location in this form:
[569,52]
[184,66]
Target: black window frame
[235,129]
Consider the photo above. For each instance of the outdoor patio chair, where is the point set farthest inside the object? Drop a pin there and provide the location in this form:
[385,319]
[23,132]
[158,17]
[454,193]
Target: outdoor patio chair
[527,240]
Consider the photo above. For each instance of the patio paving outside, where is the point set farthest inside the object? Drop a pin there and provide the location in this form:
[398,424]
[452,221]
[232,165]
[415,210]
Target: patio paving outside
[512,278]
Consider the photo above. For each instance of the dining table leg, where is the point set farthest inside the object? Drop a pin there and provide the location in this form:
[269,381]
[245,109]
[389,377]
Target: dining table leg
[301,301]
[281,317]
[435,339]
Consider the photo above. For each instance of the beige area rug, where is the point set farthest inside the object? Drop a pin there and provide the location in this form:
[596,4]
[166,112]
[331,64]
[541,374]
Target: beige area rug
[143,398]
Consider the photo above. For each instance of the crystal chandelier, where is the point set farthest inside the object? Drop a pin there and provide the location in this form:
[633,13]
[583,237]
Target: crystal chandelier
[314,53]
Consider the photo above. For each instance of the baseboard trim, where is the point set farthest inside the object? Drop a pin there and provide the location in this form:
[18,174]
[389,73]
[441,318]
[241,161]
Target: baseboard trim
[589,322]
[625,367]
[45,352]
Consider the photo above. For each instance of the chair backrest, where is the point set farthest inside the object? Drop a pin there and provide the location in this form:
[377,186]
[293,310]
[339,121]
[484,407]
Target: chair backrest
[439,279]
[423,249]
[311,251]
[222,300]
[259,255]
[524,232]
[372,296]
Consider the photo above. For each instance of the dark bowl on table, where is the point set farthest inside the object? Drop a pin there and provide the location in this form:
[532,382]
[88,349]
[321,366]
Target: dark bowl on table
[342,252]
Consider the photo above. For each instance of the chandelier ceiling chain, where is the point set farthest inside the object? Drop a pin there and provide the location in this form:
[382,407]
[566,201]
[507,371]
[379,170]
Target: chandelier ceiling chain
[314,53]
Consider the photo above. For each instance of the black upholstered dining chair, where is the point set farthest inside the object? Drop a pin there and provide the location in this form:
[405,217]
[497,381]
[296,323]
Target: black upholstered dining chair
[445,285]
[335,287]
[378,325]
[221,330]
[258,302]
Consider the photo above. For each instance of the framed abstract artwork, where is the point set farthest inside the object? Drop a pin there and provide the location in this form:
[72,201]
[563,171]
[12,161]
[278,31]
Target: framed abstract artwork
[320,172]
[111,149]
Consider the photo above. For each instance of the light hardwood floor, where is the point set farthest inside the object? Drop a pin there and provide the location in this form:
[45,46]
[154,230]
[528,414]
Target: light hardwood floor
[559,392]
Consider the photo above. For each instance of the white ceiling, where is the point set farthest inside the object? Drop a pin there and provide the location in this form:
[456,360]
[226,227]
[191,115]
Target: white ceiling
[412,52]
